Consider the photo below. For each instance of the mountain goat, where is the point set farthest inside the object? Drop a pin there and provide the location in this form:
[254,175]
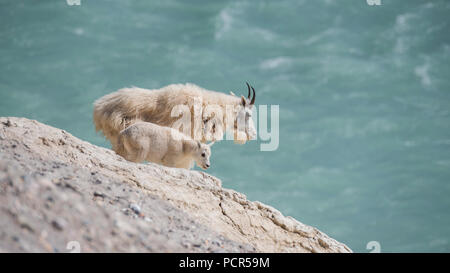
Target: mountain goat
[219,112]
[162,145]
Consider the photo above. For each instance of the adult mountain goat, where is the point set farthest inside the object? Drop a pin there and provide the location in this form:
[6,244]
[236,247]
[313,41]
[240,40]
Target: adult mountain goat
[162,145]
[205,115]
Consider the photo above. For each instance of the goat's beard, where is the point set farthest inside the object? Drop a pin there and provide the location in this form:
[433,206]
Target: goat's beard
[241,139]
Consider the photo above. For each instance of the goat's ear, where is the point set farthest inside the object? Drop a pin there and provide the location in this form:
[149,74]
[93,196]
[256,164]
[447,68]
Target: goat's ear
[199,144]
[211,144]
[243,101]
[231,93]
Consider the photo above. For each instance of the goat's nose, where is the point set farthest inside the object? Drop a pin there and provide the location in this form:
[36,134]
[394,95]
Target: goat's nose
[207,165]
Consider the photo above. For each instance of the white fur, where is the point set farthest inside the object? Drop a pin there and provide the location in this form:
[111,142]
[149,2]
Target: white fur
[116,111]
[162,145]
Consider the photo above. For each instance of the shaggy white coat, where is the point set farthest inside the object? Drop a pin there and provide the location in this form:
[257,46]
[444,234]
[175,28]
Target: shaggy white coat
[116,111]
[162,145]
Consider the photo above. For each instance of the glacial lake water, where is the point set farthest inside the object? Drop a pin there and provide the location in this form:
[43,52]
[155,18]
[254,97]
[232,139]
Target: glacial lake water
[363,92]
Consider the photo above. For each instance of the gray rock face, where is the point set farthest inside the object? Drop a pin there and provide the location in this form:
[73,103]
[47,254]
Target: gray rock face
[58,193]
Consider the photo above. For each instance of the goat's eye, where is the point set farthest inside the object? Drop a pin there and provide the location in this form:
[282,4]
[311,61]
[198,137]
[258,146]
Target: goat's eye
[203,154]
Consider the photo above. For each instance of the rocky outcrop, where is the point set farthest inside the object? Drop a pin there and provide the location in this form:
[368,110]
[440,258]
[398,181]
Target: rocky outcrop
[56,189]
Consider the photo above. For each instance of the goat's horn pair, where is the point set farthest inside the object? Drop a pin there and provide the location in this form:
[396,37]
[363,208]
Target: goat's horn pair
[254,94]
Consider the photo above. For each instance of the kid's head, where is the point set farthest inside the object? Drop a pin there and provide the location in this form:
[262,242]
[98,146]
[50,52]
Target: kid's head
[202,155]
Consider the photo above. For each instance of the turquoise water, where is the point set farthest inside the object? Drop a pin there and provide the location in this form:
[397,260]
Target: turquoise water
[364,96]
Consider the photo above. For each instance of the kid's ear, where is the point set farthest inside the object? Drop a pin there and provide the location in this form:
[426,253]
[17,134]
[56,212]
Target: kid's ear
[243,101]
[211,144]
[199,144]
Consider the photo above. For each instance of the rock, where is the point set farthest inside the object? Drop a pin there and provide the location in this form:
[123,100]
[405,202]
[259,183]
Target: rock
[59,224]
[99,194]
[72,171]
[135,208]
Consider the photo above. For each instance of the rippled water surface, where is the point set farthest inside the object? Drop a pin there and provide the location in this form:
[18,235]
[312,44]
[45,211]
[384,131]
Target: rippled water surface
[364,96]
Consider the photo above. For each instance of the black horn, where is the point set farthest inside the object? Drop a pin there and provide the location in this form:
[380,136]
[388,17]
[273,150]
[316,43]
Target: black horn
[248,86]
[254,96]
